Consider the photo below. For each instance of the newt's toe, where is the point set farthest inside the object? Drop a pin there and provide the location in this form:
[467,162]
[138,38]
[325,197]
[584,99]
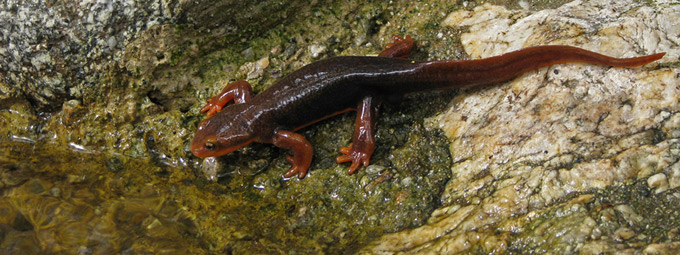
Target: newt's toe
[356,156]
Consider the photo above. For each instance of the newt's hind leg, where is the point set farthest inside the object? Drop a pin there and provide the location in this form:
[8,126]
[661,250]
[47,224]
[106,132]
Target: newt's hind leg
[238,91]
[363,142]
[361,149]
[400,48]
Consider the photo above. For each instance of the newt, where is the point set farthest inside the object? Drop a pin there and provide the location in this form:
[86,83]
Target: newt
[336,85]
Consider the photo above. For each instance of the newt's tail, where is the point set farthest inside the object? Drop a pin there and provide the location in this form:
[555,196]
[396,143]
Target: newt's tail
[458,74]
[574,54]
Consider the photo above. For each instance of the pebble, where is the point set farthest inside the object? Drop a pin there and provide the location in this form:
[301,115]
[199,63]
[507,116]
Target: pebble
[659,182]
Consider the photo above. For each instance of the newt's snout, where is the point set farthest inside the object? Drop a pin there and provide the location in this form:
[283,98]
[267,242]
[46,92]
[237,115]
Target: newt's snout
[202,145]
[209,142]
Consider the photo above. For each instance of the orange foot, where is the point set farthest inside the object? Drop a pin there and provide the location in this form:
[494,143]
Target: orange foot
[397,39]
[400,48]
[239,92]
[295,169]
[212,106]
[355,155]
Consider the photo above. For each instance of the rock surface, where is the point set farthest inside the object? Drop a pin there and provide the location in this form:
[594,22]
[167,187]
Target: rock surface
[59,50]
[524,151]
[99,101]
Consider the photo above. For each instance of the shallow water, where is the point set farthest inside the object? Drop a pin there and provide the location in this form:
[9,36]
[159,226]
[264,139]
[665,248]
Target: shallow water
[71,199]
[58,199]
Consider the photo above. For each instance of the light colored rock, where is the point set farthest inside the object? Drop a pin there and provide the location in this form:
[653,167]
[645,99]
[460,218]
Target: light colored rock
[255,69]
[555,131]
[659,182]
[674,181]
[662,248]
[622,234]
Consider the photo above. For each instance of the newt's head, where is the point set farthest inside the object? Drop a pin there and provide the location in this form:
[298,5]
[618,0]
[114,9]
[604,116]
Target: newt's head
[221,134]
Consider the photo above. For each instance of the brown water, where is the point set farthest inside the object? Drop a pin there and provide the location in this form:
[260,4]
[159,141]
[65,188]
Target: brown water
[65,200]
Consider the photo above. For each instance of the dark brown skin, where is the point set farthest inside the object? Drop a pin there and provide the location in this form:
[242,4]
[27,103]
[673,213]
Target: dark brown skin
[328,87]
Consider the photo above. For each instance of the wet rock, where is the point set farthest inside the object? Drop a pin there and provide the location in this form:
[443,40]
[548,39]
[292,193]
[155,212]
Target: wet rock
[57,51]
[52,51]
[622,234]
[661,248]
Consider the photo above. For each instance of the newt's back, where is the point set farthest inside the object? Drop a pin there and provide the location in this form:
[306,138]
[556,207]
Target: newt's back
[329,86]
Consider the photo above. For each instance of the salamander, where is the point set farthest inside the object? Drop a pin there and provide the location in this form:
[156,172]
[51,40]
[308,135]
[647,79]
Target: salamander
[357,83]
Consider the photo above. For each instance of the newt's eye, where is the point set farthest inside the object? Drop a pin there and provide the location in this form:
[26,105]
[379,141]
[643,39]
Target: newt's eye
[209,146]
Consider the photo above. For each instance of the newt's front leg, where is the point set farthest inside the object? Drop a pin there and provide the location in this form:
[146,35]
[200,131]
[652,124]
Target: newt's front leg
[238,91]
[363,142]
[302,152]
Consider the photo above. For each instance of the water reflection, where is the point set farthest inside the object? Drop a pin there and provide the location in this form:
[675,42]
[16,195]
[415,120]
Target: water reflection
[67,201]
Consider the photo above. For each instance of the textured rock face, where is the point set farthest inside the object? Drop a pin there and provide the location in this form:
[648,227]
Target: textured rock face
[523,151]
[52,51]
